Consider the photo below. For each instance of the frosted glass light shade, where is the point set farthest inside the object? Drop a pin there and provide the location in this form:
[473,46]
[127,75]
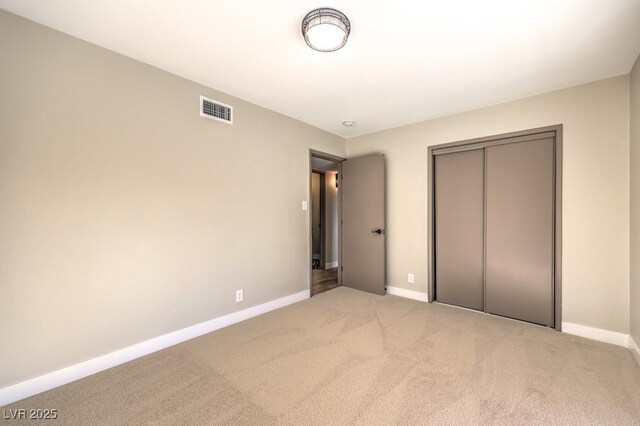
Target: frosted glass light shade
[325,30]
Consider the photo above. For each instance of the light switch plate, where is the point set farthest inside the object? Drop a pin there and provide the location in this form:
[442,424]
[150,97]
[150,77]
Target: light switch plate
[305,205]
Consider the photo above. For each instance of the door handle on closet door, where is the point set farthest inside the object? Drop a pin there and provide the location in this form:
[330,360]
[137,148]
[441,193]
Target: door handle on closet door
[378,231]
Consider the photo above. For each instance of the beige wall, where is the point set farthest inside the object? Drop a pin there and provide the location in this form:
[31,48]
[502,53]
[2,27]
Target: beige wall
[123,214]
[635,202]
[331,218]
[595,199]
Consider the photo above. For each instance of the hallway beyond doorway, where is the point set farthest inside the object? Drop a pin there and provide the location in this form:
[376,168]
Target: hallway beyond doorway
[324,280]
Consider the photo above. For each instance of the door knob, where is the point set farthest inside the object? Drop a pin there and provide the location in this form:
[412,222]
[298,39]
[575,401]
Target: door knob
[378,231]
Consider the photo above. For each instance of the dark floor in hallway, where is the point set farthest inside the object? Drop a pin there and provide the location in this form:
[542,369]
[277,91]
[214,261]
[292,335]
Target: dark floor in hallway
[323,280]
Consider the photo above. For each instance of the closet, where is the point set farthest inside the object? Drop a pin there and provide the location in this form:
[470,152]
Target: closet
[495,211]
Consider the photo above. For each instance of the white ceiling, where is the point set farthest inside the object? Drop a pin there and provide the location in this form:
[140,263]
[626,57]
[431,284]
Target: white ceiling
[405,61]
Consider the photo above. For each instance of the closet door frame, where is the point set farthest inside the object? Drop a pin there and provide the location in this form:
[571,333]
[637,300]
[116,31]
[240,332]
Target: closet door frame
[483,142]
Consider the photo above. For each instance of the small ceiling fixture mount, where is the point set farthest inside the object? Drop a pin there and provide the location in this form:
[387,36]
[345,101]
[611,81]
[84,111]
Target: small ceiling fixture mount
[326,29]
[349,123]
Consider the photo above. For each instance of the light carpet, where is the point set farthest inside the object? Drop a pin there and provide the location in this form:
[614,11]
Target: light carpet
[349,357]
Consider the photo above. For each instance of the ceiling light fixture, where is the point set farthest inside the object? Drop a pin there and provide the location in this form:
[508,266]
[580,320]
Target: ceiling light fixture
[325,29]
[349,123]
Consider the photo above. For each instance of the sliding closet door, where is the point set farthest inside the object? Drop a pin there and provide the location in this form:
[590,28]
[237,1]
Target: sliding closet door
[459,233]
[520,230]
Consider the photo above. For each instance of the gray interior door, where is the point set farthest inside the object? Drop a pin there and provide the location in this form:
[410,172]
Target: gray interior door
[459,233]
[520,230]
[363,224]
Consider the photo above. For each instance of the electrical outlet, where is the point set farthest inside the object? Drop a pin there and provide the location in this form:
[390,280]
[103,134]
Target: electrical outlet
[239,295]
[411,278]
[305,205]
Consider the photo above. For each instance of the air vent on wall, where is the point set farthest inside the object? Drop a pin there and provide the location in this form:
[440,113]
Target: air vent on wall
[216,110]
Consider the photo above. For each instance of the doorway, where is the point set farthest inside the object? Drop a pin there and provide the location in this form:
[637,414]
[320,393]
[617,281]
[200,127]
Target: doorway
[324,222]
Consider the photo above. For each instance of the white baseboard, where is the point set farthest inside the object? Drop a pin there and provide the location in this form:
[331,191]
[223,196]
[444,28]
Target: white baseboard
[75,372]
[331,265]
[409,294]
[599,334]
[635,350]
